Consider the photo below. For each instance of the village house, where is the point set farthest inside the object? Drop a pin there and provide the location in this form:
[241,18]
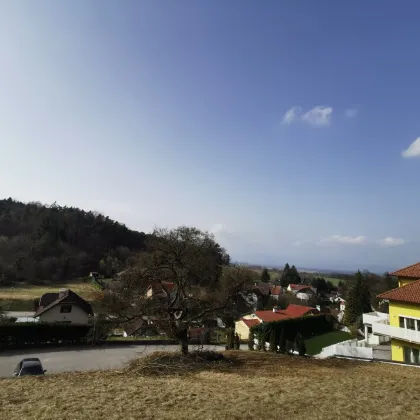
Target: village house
[301,291]
[64,307]
[243,325]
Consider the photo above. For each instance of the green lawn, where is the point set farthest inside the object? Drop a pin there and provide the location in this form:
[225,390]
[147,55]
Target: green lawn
[314,345]
[333,280]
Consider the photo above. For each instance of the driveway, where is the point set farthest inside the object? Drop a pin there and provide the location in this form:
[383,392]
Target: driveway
[84,359]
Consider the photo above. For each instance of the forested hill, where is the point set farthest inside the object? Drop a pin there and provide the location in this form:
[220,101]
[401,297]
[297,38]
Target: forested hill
[54,243]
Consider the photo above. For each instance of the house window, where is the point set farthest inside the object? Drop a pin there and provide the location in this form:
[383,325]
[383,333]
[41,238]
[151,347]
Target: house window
[65,309]
[402,325]
[369,330]
[411,355]
[410,324]
[415,356]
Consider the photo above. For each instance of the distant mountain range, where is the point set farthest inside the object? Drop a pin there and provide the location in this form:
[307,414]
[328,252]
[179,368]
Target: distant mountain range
[372,269]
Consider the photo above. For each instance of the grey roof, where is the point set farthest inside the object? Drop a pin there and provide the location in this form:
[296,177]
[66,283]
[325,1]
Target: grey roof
[66,296]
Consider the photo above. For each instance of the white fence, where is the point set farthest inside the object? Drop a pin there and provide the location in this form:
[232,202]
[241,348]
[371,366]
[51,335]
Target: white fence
[349,348]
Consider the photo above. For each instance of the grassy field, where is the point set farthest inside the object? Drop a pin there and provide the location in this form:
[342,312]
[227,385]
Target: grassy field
[266,387]
[333,280]
[84,289]
[314,345]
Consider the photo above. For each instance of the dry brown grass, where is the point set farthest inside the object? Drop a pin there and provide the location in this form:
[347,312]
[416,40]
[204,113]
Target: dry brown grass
[265,386]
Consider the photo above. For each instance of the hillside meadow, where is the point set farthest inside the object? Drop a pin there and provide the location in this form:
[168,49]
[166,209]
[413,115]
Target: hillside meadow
[264,386]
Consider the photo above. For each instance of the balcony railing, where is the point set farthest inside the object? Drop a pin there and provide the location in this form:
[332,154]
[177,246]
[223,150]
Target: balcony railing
[404,334]
[373,317]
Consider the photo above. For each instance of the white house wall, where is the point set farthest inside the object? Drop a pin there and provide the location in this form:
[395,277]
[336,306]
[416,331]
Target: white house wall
[76,316]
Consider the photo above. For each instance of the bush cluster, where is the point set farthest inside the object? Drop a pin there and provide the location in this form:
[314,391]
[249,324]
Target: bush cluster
[19,335]
[290,334]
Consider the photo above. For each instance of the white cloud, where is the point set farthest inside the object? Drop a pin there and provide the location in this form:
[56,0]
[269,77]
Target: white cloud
[351,112]
[413,150]
[390,241]
[342,240]
[291,115]
[220,230]
[319,116]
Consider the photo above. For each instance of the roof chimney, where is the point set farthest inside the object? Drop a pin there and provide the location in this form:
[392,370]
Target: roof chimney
[274,310]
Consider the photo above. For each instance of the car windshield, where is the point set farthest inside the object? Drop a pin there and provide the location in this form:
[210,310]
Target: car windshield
[31,370]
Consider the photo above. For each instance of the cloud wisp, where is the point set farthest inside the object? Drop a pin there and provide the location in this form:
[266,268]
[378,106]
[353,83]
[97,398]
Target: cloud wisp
[390,241]
[342,240]
[319,116]
[413,150]
[338,240]
[291,115]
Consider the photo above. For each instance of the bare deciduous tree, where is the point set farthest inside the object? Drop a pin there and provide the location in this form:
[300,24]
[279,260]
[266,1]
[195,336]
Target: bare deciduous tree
[183,280]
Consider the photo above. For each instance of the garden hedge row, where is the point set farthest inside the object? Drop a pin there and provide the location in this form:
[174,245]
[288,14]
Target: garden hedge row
[18,335]
[306,326]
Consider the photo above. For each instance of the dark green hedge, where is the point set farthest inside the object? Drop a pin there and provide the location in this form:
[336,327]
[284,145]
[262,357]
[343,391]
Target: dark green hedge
[20,335]
[306,326]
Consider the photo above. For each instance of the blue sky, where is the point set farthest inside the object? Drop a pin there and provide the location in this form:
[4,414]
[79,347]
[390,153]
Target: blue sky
[287,128]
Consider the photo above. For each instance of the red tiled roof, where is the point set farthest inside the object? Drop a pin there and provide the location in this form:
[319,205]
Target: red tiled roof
[294,311]
[299,286]
[167,286]
[276,290]
[409,293]
[250,322]
[270,316]
[412,271]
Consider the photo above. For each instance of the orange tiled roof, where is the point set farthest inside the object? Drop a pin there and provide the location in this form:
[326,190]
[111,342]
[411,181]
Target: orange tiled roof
[409,293]
[410,271]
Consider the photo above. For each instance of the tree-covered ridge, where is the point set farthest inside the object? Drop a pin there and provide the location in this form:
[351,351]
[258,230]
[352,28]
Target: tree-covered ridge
[49,242]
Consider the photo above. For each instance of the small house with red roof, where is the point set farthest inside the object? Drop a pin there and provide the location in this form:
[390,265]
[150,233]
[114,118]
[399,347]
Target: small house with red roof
[160,288]
[243,325]
[301,291]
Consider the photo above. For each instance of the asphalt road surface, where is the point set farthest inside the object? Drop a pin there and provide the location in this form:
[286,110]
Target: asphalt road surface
[83,359]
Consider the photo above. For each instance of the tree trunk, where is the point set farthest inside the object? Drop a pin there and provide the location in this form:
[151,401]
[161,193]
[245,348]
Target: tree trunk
[184,346]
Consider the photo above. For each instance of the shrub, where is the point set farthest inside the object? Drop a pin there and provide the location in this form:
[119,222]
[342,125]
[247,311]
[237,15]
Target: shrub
[237,342]
[230,338]
[300,344]
[273,343]
[282,341]
[16,335]
[251,342]
[288,329]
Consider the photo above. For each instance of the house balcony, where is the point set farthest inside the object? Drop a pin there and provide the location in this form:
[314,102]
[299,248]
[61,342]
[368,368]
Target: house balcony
[379,323]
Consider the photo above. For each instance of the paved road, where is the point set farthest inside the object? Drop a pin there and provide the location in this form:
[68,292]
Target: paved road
[82,359]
